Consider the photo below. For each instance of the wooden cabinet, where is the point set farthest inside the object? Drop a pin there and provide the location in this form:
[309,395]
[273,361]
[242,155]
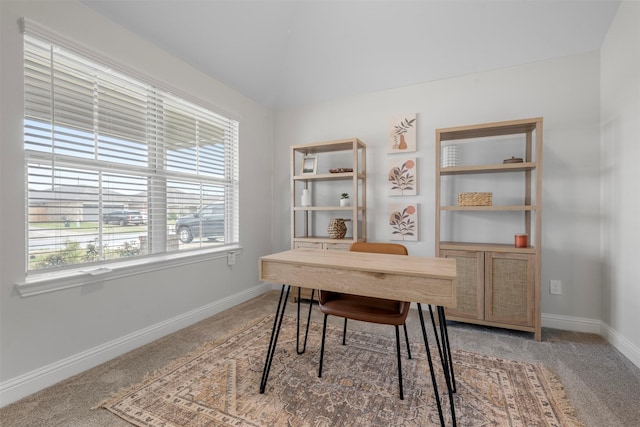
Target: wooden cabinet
[494,288]
[498,283]
[336,167]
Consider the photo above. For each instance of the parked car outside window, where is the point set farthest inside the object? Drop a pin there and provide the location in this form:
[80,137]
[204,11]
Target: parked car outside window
[208,222]
[123,217]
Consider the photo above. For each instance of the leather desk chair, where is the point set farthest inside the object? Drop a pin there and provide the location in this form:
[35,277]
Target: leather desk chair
[367,309]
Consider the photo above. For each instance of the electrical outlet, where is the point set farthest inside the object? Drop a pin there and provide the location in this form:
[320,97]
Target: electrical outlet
[555,287]
[231,258]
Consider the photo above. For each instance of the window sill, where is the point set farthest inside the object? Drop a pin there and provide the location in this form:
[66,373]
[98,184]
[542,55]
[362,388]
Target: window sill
[51,282]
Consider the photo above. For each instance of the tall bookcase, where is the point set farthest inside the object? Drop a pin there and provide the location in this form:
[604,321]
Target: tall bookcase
[340,167]
[498,283]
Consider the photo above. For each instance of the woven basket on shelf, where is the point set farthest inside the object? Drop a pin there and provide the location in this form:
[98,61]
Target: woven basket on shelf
[475,199]
[337,228]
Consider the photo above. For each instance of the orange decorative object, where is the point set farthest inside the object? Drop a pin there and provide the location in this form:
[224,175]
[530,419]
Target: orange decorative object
[521,240]
[403,143]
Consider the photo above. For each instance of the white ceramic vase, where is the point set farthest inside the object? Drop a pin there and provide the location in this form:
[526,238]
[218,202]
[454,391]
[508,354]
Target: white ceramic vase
[306,198]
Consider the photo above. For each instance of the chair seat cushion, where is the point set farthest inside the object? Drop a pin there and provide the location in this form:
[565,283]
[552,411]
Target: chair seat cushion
[367,309]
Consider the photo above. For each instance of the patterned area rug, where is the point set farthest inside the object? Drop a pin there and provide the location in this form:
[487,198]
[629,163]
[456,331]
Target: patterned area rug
[218,385]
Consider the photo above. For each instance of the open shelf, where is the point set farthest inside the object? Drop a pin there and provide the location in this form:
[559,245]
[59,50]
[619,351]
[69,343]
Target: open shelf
[494,247]
[308,223]
[488,208]
[326,208]
[328,176]
[509,167]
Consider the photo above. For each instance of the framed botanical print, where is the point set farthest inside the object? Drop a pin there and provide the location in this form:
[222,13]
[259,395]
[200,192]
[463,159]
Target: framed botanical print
[403,222]
[402,134]
[402,176]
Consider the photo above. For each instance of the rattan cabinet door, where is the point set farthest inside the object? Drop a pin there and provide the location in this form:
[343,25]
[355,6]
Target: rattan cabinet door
[469,284]
[509,282]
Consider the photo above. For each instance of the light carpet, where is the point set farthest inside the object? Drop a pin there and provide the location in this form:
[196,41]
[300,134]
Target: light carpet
[218,385]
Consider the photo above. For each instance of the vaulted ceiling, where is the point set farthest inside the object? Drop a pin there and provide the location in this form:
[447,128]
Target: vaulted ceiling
[290,53]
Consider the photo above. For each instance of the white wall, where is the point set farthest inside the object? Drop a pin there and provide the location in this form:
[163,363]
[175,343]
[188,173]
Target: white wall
[48,337]
[563,91]
[620,91]
[45,338]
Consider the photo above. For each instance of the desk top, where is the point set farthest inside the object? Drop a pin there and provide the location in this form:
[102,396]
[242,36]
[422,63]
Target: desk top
[405,278]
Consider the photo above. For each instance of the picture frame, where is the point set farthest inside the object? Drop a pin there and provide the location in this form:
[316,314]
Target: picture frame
[309,165]
[402,176]
[403,222]
[402,133]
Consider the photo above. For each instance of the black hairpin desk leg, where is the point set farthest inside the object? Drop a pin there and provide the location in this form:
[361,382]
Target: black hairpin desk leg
[275,331]
[445,358]
[445,349]
[433,375]
[306,332]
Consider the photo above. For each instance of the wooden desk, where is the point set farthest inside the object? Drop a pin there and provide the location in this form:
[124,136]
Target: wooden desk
[405,278]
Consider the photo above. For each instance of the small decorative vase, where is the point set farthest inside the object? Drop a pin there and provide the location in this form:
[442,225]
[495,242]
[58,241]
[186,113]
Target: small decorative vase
[337,228]
[403,143]
[344,202]
[306,198]
[449,156]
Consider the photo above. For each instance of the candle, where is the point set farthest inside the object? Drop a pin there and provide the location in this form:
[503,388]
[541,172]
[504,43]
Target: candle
[521,240]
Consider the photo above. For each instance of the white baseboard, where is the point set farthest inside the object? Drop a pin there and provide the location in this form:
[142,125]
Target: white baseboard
[31,382]
[624,346]
[568,323]
[578,324]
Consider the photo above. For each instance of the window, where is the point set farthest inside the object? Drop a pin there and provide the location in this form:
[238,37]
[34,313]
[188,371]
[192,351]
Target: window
[117,167]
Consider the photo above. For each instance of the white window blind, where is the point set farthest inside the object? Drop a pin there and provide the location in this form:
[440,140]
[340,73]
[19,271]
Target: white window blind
[115,164]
